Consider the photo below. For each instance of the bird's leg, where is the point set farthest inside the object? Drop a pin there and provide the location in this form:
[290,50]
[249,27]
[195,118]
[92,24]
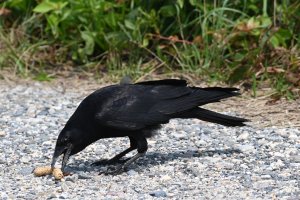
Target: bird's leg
[116,159]
[142,147]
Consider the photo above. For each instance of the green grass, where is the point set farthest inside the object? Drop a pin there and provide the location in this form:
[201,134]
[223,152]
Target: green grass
[252,42]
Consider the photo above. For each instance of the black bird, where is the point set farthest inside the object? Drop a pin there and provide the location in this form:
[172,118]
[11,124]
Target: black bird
[136,111]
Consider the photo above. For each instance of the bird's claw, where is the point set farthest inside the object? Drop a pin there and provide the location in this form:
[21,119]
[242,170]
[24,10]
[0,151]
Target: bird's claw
[101,162]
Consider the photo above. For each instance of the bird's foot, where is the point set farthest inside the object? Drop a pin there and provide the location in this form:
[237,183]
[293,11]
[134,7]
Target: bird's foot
[102,162]
[113,170]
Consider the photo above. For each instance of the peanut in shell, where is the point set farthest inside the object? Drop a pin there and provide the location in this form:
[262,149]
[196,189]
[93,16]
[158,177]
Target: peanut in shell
[42,171]
[57,173]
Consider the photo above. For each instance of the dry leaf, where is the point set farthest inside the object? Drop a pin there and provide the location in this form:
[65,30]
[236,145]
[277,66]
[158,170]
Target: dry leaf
[4,12]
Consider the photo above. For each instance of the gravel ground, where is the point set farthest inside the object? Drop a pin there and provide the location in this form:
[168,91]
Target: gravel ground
[188,159]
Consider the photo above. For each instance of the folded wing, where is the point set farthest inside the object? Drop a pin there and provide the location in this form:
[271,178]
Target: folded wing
[145,104]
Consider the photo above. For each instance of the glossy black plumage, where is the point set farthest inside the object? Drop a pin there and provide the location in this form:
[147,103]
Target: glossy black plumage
[136,110]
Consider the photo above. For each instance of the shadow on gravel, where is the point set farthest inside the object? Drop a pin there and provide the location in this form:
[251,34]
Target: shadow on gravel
[151,159]
[157,158]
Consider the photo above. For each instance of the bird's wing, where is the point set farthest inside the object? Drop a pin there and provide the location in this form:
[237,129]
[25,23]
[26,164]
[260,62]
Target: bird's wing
[134,107]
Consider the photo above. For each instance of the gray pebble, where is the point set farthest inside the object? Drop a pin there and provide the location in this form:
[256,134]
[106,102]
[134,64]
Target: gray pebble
[179,134]
[206,131]
[21,111]
[52,196]
[243,136]
[44,112]
[72,178]
[64,187]
[266,176]
[82,175]
[131,172]
[295,158]
[277,165]
[2,133]
[3,195]
[64,196]
[26,171]
[158,193]
[246,148]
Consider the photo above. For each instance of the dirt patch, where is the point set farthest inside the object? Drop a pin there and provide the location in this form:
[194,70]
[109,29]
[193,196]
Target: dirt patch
[261,113]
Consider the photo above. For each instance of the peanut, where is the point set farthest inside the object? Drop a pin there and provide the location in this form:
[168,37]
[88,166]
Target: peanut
[42,171]
[47,170]
[57,173]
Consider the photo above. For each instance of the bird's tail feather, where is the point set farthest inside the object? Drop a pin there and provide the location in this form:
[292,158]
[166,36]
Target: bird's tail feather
[210,116]
[216,94]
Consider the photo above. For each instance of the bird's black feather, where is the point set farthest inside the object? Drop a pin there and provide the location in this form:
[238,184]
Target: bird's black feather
[137,110]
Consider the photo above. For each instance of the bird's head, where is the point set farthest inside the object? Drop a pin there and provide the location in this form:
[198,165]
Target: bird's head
[69,142]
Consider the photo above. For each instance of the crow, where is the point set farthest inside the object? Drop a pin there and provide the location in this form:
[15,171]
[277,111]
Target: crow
[137,111]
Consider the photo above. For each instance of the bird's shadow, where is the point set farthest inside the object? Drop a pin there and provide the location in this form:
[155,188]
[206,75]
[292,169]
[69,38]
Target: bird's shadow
[151,159]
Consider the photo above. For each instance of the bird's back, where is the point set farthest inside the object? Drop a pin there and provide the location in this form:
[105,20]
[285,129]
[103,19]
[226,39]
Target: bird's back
[146,104]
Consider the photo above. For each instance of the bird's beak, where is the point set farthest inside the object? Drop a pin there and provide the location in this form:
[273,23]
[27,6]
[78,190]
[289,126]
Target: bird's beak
[62,150]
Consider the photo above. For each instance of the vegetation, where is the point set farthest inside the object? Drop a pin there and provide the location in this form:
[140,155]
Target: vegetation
[250,41]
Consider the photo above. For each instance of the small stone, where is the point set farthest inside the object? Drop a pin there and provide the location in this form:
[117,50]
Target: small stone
[262,141]
[179,135]
[295,158]
[243,136]
[43,112]
[131,172]
[165,178]
[244,166]
[64,187]
[26,171]
[49,181]
[2,133]
[25,160]
[2,160]
[3,195]
[19,112]
[293,136]
[72,178]
[52,196]
[206,131]
[47,143]
[158,193]
[227,165]
[277,165]
[282,132]
[247,148]
[263,184]
[81,165]
[292,151]
[277,154]
[296,165]
[272,145]
[213,159]
[200,143]
[265,176]
[64,196]
[205,137]
[82,175]
[31,111]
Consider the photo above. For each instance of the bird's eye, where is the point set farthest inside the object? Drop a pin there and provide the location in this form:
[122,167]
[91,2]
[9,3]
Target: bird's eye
[65,139]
